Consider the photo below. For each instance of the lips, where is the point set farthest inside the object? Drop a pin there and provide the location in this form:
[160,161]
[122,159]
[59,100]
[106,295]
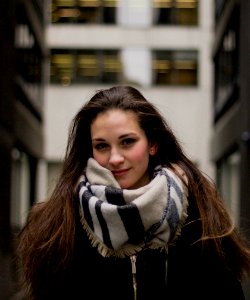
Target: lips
[118,173]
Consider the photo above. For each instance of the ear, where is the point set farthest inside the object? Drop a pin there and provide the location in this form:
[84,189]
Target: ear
[153,149]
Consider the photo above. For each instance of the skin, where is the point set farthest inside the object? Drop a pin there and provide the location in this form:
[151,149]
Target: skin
[121,146]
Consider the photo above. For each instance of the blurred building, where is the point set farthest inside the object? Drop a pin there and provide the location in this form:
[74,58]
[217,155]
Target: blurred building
[161,47]
[230,146]
[21,122]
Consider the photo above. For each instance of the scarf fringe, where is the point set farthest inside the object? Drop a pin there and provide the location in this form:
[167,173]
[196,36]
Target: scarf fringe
[125,251]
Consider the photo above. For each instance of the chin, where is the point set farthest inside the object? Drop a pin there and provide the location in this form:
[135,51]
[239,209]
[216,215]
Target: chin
[125,185]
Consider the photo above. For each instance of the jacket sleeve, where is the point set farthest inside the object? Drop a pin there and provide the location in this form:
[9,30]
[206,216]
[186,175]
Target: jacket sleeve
[197,273]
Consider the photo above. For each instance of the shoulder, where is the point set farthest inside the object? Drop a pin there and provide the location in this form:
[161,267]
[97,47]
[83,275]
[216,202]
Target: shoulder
[192,265]
[180,173]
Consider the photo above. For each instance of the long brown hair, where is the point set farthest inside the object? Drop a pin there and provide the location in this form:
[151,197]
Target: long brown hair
[48,237]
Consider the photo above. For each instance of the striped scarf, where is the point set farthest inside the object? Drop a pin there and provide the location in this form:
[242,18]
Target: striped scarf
[121,222]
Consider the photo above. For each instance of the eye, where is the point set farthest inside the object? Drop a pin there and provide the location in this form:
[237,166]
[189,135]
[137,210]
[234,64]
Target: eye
[100,146]
[128,141]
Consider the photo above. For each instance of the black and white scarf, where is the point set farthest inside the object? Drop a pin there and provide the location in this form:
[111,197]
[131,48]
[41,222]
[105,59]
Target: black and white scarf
[121,222]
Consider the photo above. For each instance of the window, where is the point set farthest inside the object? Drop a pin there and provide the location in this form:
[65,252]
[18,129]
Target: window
[83,11]
[175,12]
[22,189]
[29,61]
[228,175]
[85,66]
[227,69]
[98,66]
[219,7]
[136,12]
[129,65]
[62,67]
[175,67]
[111,66]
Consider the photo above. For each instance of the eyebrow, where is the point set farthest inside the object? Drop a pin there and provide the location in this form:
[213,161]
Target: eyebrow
[120,137]
[98,139]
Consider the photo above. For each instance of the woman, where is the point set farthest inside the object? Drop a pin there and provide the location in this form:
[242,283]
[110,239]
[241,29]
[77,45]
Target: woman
[131,217]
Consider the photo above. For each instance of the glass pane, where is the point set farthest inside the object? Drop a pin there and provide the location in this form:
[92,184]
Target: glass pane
[83,11]
[175,12]
[89,11]
[228,177]
[20,189]
[111,66]
[186,16]
[64,11]
[88,69]
[226,80]
[28,62]
[175,67]
[62,67]
[85,66]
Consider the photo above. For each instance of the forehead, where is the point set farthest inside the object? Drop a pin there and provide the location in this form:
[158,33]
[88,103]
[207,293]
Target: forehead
[116,115]
[115,120]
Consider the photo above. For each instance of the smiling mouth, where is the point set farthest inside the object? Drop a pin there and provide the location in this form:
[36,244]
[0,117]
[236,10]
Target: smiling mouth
[120,172]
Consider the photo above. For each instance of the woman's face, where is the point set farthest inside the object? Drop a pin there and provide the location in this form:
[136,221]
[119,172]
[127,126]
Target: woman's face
[121,146]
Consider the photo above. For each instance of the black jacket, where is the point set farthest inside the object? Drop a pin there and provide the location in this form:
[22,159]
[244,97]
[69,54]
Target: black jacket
[186,272]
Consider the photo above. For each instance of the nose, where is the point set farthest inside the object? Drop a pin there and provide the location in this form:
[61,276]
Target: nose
[116,157]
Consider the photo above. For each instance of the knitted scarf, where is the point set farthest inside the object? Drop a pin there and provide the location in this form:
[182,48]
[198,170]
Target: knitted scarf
[121,222]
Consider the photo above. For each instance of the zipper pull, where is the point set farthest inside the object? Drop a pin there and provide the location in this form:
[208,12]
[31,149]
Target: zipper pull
[133,265]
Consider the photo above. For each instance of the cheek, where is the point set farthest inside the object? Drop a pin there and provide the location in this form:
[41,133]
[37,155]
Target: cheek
[100,158]
[140,153]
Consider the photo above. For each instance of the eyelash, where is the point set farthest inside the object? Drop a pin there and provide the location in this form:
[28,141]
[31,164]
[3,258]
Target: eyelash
[128,141]
[100,146]
[125,143]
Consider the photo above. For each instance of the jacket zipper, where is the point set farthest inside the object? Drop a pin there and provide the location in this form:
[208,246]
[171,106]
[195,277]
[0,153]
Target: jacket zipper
[133,265]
